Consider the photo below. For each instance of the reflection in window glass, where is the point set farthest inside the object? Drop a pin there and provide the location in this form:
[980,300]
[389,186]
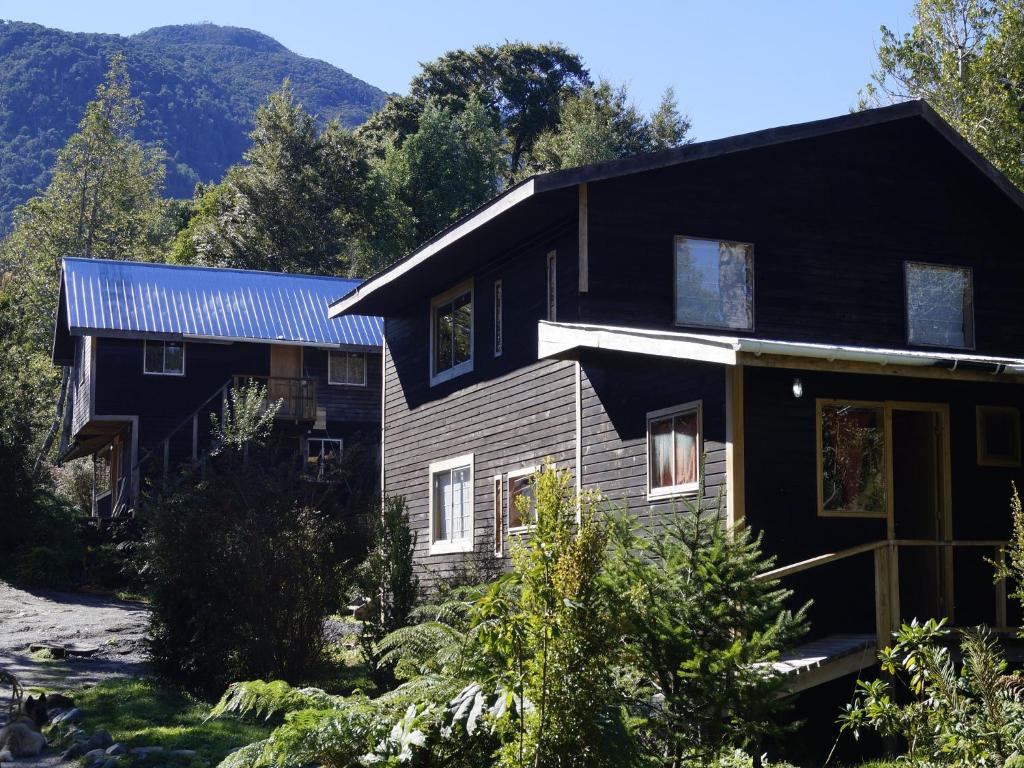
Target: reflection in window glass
[853,459]
[453,332]
[673,452]
[164,357]
[452,489]
[346,368]
[998,436]
[521,487]
[939,306]
[714,283]
[323,458]
[174,357]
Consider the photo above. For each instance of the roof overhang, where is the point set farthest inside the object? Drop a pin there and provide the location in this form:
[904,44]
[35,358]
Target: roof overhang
[566,340]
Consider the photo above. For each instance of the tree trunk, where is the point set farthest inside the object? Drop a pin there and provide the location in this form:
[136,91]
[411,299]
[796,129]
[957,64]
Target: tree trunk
[58,419]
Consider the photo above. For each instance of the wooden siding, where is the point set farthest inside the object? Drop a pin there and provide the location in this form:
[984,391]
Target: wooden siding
[80,392]
[343,402]
[832,221]
[618,391]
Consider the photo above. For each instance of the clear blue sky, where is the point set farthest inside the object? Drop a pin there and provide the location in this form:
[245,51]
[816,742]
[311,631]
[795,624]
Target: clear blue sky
[736,65]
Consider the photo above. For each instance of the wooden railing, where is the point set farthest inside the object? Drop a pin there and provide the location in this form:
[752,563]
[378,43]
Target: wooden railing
[887,582]
[297,396]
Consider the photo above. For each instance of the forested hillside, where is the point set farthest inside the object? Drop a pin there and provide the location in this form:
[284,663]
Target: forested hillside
[200,85]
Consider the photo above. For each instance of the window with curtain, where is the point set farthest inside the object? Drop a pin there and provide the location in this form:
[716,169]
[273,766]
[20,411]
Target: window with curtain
[673,449]
[347,368]
[714,284]
[940,305]
[851,445]
[452,504]
[451,320]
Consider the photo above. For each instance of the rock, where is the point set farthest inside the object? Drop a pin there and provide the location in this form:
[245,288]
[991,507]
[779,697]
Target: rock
[71,716]
[77,734]
[116,750]
[110,762]
[100,739]
[145,751]
[59,701]
[72,753]
[182,752]
[94,754]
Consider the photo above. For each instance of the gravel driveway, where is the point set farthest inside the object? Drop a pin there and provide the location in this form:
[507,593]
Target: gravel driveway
[116,629]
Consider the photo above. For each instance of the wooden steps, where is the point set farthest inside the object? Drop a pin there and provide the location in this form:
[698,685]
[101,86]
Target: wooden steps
[828,658]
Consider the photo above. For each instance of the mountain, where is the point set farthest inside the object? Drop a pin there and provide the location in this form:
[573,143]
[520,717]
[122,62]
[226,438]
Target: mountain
[200,84]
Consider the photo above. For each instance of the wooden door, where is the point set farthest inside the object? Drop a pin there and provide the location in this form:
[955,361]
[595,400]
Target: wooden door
[285,375]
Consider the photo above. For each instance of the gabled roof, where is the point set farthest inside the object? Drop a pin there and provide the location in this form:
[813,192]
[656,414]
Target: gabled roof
[372,295]
[101,297]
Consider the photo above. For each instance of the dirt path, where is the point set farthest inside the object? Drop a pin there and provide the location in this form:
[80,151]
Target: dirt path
[116,629]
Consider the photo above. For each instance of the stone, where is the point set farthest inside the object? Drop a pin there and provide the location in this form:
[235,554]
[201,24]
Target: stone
[110,762]
[100,739]
[116,750]
[72,753]
[78,735]
[94,754]
[145,751]
[183,752]
[74,715]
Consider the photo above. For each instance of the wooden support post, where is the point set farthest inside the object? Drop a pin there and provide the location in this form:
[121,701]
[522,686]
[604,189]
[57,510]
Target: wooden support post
[1001,620]
[734,467]
[883,625]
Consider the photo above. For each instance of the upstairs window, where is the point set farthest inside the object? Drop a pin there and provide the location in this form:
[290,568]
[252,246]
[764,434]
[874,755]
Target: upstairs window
[940,306]
[714,283]
[347,368]
[164,358]
[673,450]
[552,286]
[323,458]
[451,333]
[451,505]
[522,499]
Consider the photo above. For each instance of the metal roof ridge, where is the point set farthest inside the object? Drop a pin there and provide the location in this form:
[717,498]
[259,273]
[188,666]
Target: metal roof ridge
[203,267]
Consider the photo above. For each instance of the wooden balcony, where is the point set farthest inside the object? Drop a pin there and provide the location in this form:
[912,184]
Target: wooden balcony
[297,396]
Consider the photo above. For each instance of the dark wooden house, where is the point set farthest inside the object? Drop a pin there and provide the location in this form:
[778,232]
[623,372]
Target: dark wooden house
[154,350]
[824,319]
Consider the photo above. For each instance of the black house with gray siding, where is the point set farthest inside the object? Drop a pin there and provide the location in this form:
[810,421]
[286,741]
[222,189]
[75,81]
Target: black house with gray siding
[824,318]
[155,348]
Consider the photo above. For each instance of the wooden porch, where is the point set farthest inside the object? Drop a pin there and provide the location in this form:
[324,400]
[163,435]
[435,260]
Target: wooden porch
[835,655]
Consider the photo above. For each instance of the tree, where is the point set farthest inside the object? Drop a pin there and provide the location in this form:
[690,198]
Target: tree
[448,167]
[966,59]
[295,205]
[103,201]
[600,123]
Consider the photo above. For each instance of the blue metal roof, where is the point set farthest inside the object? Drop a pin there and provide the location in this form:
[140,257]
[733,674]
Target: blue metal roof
[127,298]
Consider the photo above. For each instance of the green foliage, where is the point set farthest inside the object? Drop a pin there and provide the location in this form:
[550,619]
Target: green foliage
[249,419]
[259,699]
[599,123]
[294,205]
[966,58]
[244,562]
[701,628]
[967,717]
[387,578]
[200,85]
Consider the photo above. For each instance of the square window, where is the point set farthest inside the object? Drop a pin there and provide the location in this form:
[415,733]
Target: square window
[714,283]
[346,368]
[940,306]
[851,456]
[164,358]
[451,334]
[323,458]
[522,499]
[673,450]
[998,436]
[451,505]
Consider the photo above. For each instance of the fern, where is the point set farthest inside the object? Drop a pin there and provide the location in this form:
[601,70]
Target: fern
[249,756]
[263,699]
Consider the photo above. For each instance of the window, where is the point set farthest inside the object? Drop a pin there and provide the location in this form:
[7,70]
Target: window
[673,450]
[520,486]
[552,287]
[323,458]
[998,436]
[346,368]
[164,358]
[498,515]
[102,471]
[940,306]
[83,356]
[497,318]
[451,333]
[714,285]
[851,459]
[451,505]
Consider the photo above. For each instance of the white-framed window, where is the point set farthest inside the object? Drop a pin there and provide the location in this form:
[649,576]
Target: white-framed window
[499,515]
[498,317]
[940,305]
[521,486]
[451,333]
[347,368]
[674,438]
[451,505]
[552,286]
[714,283]
[323,458]
[82,353]
[163,358]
